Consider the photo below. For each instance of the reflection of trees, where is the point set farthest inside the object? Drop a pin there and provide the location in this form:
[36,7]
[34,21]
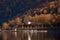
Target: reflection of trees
[5,35]
[9,35]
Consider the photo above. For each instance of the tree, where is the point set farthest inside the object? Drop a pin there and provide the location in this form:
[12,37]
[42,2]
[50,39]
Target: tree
[18,20]
[5,25]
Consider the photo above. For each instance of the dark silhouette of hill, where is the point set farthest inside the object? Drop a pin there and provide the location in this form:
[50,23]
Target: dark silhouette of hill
[10,8]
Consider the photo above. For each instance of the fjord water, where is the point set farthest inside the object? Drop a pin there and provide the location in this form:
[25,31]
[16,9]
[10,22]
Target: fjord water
[26,35]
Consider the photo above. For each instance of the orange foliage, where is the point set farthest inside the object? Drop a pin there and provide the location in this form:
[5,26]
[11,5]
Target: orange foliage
[4,25]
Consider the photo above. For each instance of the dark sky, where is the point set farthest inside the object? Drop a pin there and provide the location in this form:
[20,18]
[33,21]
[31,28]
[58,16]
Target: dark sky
[10,8]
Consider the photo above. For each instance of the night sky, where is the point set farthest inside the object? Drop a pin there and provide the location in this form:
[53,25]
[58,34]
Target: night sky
[10,8]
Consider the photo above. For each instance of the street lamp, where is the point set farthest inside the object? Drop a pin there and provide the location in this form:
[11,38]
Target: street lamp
[29,23]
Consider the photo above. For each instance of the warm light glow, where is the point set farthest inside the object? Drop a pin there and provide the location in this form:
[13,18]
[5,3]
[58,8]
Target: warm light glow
[29,22]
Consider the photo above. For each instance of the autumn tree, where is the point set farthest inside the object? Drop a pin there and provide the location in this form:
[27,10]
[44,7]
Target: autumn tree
[5,25]
[18,20]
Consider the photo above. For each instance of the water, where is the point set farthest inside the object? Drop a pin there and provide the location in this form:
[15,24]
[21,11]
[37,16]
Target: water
[26,35]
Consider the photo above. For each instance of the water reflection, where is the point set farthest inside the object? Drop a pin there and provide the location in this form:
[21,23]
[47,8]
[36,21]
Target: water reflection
[25,35]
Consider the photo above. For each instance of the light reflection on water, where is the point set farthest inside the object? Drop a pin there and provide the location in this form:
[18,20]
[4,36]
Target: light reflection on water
[25,35]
